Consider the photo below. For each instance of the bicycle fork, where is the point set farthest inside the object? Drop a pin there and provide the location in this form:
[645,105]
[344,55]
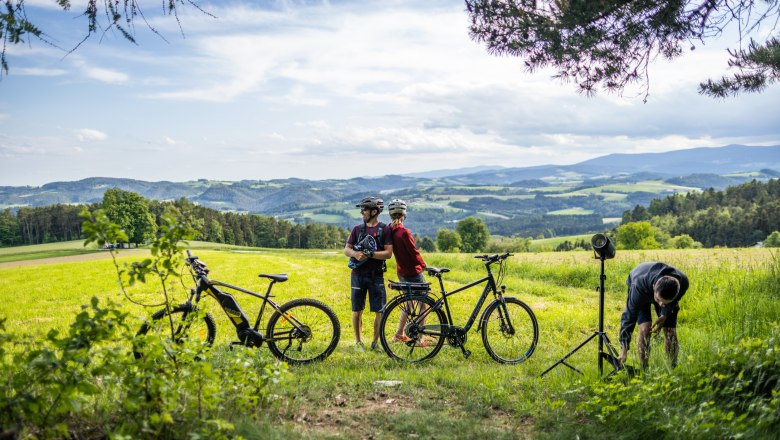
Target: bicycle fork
[503,314]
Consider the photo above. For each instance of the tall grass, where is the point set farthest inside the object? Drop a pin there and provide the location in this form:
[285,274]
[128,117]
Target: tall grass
[733,295]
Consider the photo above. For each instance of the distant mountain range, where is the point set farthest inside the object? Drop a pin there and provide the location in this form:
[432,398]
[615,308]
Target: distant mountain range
[592,186]
[718,160]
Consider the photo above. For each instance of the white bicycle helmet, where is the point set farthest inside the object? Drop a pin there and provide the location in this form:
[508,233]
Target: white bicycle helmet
[397,206]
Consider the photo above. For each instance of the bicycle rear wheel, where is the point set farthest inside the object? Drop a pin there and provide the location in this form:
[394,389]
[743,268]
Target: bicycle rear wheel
[406,338]
[313,339]
[186,325]
[509,333]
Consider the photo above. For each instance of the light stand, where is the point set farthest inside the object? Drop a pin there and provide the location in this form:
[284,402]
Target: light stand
[602,249]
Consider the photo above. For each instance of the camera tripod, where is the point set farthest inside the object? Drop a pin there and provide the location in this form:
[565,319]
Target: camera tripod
[610,355]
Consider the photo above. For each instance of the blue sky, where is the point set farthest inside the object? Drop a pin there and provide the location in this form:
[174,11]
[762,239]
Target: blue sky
[329,90]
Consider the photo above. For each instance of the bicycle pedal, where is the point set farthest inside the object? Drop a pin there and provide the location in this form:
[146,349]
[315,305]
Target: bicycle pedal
[466,353]
[235,343]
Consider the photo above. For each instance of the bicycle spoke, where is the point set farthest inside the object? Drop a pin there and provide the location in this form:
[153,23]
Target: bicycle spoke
[510,331]
[310,329]
[404,329]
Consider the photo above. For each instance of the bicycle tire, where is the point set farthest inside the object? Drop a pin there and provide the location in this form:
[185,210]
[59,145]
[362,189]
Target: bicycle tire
[207,334]
[322,331]
[421,346]
[510,345]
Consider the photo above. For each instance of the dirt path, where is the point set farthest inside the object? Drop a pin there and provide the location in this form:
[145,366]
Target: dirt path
[72,258]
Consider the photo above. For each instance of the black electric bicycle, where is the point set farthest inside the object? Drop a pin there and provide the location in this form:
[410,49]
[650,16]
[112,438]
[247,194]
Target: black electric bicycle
[415,326]
[300,331]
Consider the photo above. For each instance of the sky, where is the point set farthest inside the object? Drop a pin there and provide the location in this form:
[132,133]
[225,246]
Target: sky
[263,90]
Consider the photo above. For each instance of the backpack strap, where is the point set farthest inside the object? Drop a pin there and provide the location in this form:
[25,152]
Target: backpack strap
[379,230]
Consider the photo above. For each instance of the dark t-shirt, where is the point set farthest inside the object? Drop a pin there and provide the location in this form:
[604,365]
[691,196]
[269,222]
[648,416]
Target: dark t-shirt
[373,264]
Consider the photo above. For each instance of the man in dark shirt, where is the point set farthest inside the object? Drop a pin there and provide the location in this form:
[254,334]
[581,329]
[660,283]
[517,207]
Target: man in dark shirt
[661,286]
[368,266]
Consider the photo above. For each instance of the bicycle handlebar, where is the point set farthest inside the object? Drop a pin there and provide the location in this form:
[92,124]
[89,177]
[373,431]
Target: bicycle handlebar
[198,266]
[493,258]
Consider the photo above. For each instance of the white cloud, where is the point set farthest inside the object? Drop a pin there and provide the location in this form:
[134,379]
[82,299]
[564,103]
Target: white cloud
[37,71]
[106,75]
[88,134]
[399,82]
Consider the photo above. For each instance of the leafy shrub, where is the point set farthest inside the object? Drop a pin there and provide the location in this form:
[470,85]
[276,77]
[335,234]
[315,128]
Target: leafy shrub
[499,245]
[87,383]
[773,239]
[737,396]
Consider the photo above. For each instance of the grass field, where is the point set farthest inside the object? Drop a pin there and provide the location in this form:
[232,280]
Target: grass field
[733,295]
[49,250]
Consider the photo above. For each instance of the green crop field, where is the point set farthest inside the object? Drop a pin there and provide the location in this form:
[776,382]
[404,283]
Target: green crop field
[733,296]
[571,211]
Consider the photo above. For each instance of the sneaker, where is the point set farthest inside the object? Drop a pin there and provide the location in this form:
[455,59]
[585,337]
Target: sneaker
[375,346]
[360,347]
[401,338]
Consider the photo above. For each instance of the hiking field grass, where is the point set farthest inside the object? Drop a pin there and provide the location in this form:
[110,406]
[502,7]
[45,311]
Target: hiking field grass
[733,295]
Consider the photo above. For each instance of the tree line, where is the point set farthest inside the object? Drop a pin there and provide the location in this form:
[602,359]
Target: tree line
[140,218]
[738,216]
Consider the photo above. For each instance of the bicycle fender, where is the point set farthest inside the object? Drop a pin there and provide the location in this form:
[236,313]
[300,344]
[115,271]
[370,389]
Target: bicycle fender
[483,316]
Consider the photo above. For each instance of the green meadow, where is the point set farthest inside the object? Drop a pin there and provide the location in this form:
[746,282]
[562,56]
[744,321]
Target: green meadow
[733,296]
[49,250]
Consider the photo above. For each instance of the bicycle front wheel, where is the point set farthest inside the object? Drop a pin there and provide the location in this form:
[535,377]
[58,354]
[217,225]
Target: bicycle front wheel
[509,331]
[405,336]
[182,323]
[305,331]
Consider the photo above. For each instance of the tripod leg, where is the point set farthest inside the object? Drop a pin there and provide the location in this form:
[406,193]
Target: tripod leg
[612,357]
[563,359]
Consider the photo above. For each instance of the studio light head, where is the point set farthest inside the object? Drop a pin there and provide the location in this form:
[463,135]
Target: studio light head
[603,247]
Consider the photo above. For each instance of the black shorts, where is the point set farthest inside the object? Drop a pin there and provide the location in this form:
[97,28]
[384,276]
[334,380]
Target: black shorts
[374,285]
[645,315]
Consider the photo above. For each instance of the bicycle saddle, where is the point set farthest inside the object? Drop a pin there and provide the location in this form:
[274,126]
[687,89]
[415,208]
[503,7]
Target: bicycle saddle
[435,271]
[282,277]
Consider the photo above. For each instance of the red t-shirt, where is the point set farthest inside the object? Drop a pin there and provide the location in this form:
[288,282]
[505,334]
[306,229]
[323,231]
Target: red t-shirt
[408,261]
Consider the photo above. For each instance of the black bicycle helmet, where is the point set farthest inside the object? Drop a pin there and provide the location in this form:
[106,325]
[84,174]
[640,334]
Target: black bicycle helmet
[371,203]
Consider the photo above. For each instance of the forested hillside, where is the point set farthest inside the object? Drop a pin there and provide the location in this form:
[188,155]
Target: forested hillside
[737,216]
[62,223]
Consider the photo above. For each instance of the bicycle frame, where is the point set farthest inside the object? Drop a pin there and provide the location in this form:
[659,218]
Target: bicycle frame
[489,287]
[231,307]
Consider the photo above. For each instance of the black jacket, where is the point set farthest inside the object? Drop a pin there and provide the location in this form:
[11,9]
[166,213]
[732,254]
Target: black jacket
[640,293]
